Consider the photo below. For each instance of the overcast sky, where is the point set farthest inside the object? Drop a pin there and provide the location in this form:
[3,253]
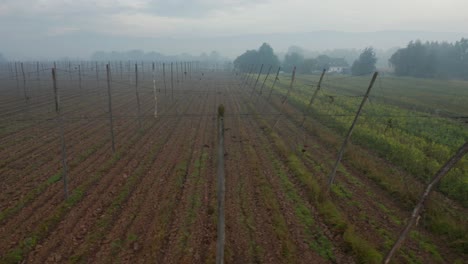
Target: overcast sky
[37,28]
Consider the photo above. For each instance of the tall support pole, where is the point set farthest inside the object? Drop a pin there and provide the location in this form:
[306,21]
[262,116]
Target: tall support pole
[313,96]
[97,75]
[286,97]
[79,76]
[121,71]
[155,95]
[172,83]
[417,210]
[38,76]
[274,82]
[62,135]
[177,73]
[251,78]
[220,189]
[17,80]
[332,175]
[109,96]
[258,77]
[247,77]
[137,96]
[164,78]
[263,84]
[24,83]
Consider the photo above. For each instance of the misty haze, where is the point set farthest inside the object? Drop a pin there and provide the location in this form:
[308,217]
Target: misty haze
[233,131]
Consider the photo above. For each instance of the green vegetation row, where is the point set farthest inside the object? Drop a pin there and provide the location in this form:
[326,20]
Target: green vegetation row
[439,218]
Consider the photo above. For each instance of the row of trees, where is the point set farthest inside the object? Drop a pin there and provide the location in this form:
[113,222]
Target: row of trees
[265,55]
[432,60]
[312,64]
[140,55]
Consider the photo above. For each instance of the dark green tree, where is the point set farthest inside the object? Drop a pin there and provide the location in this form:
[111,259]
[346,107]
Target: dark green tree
[245,61]
[365,63]
[415,60]
[309,65]
[291,60]
[264,55]
[267,56]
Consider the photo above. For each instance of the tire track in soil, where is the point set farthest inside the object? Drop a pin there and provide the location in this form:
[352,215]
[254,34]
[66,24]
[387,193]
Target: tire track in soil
[55,192]
[242,247]
[25,187]
[37,216]
[173,252]
[92,207]
[294,227]
[32,216]
[140,206]
[160,198]
[365,212]
[39,151]
[160,232]
[196,241]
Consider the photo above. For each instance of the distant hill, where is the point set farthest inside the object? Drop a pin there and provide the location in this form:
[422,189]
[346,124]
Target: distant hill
[84,44]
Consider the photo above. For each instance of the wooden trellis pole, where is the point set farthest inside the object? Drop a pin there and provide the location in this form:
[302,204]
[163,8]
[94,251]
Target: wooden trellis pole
[62,135]
[332,175]
[172,83]
[24,83]
[286,97]
[164,78]
[137,96]
[274,82]
[220,189]
[109,96]
[313,97]
[258,77]
[417,210]
[266,77]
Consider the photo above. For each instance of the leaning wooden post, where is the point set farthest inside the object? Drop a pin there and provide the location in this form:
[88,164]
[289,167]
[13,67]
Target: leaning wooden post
[416,211]
[17,80]
[164,78]
[286,97]
[247,77]
[38,77]
[250,78]
[137,96]
[258,77]
[313,97]
[79,76]
[121,71]
[62,135]
[155,95]
[24,83]
[274,82]
[332,175]
[97,75]
[109,95]
[172,83]
[221,188]
[266,77]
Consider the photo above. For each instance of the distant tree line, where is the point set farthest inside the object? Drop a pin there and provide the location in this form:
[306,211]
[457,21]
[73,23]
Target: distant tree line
[365,64]
[264,55]
[140,55]
[432,60]
[311,64]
